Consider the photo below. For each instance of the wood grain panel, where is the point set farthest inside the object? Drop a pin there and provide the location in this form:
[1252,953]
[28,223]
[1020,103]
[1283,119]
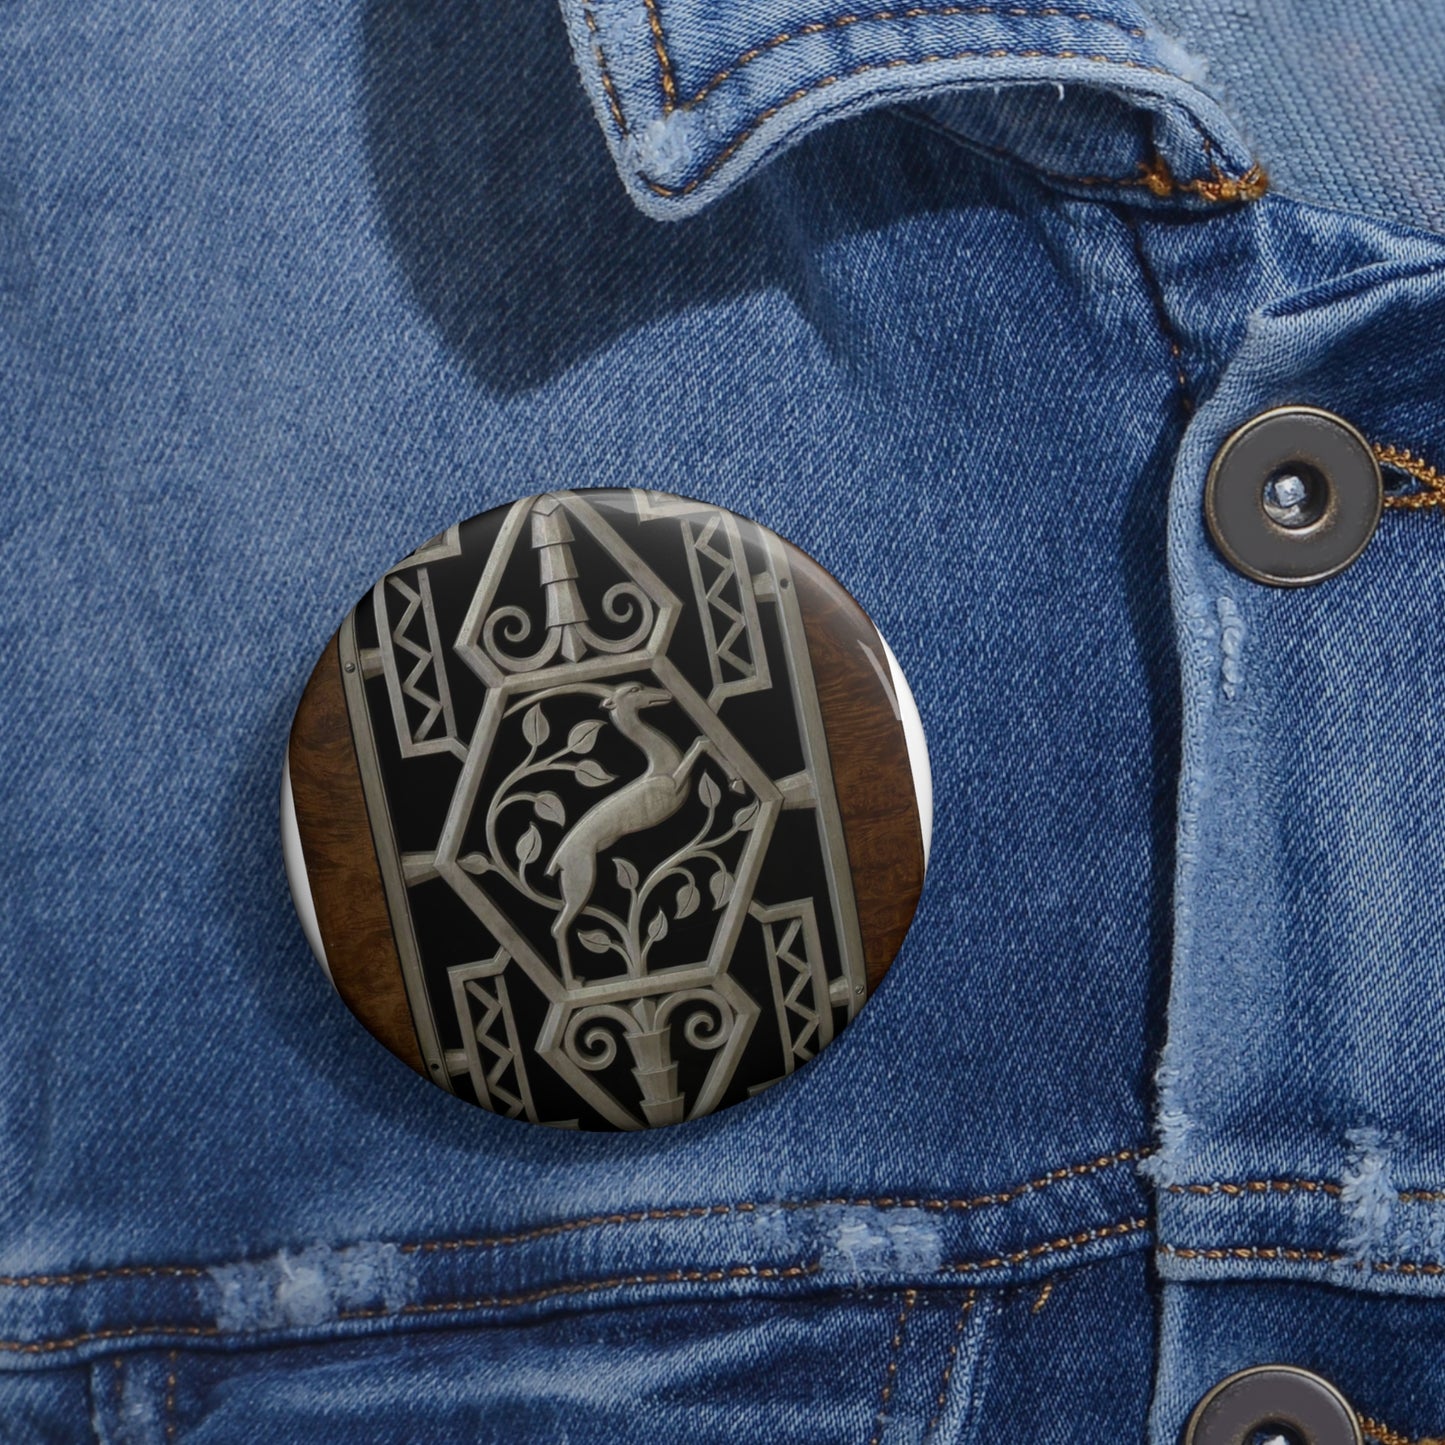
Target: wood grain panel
[870,762]
[340,857]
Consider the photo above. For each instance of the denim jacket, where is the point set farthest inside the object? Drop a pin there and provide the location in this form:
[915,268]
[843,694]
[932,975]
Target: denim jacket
[963,299]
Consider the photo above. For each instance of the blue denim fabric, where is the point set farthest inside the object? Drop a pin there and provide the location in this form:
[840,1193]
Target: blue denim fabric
[1341,97]
[284,293]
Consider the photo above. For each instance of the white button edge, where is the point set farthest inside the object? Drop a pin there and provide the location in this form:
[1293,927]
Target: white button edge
[917,744]
[296,870]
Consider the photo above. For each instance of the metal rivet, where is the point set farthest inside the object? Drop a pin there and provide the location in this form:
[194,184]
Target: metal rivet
[1293,496]
[1283,1398]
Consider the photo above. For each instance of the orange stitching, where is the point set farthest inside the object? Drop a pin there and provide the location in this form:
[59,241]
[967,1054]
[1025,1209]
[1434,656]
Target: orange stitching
[1044,1296]
[1235,1190]
[1432,496]
[1253,1251]
[613,102]
[1053,1246]
[1387,1436]
[1259,1186]
[42,1347]
[1150,174]
[1219,188]
[910,1298]
[1296,1256]
[128,1271]
[952,1360]
[914,12]
[638,1216]
[1156,174]
[1407,1266]
[664,60]
[1382,1433]
[170,1404]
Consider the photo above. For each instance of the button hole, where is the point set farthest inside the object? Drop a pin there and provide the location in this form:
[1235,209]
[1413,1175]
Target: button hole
[1410,481]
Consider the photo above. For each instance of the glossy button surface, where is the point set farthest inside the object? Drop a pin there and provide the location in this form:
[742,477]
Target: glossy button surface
[1273,1398]
[1293,496]
[606,809]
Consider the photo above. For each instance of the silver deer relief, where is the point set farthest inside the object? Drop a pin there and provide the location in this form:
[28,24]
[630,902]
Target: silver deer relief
[611,845]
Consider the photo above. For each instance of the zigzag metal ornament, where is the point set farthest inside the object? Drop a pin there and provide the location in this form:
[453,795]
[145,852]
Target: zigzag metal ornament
[606,809]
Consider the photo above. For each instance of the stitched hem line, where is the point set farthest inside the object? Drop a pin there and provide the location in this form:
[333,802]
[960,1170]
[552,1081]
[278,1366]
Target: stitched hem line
[1155,175]
[1218,188]
[998,1198]
[1215,1254]
[580,1287]
[1052,1246]
[890,1375]
[913,12]
[667,75]
[950,1362]
[1240,1188]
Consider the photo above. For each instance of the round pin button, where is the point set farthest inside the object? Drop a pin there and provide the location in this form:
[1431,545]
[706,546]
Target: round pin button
[606,809]
[1293,496]
[1278,1399]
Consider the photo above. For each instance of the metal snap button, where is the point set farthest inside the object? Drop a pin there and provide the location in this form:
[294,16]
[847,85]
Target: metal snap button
[1291,1402]
[1293,496]
[606,809]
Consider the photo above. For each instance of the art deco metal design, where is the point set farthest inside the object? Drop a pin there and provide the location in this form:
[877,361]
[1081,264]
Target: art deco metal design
[604,812]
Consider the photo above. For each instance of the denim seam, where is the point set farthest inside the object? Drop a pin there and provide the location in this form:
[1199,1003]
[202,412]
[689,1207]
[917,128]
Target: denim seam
[667,74]
[997,1199]
[1157,177]
[1215,1254]
[1045,1294]
[950,1362]
[1234,1190]
[890,1375]
[1219,188]
[614,103]
[841,22]
[1052,1246]
[169,1407]
[664,60]
[1160,307]
[1237,1189]
[586,1287]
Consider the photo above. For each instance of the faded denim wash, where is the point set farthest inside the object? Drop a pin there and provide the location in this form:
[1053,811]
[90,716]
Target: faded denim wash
[962,300]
